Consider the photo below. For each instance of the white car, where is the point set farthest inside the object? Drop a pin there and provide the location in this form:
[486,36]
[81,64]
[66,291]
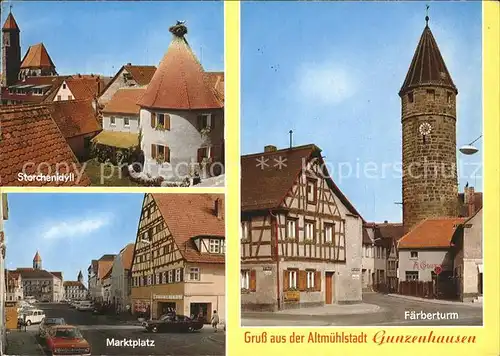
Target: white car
[34,316]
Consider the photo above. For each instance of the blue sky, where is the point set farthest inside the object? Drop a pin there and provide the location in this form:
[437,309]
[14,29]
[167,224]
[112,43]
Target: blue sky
[100,36]
[69,230]
[331,72]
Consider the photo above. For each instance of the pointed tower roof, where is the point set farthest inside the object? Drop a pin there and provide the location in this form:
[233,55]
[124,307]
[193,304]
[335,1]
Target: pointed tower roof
[80,275]
[10,23]
[37,57]
[37,257]
[180,81]
[427,66]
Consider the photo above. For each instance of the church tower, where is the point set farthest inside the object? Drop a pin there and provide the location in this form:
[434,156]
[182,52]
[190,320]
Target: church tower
[11,51]
[37,261]
[80,277]
[428,99]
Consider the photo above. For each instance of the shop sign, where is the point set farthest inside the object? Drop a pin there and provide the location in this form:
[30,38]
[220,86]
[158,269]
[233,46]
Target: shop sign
[292,296]
[170,296]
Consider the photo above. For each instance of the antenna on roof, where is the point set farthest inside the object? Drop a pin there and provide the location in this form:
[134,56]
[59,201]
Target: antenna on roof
[291,138]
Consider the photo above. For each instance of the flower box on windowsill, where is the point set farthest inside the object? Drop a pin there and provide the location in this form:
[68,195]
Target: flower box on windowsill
[160,127]
[160,159]
[205,131]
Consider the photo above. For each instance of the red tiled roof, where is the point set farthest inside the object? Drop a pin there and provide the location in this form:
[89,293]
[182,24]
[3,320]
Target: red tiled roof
[74,284]
[431,233]
[84,87]
[125,101]
[53,81]
[10,23]
[427,66]
[27,273]
[180,81]
[57,274]
[141,74]
[108,273]
[30,138]
[37,57]
[216,80]
[265,187]
[104,266]
[75,117]
[127,254]
[188,216]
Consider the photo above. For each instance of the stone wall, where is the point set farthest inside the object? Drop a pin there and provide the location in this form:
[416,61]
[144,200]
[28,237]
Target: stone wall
[430,187]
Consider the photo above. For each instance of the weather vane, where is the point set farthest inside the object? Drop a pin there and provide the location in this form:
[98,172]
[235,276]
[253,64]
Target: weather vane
[427,15]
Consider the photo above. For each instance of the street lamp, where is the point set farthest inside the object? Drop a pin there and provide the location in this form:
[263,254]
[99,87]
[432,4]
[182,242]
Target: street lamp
[469,149]
[152,276]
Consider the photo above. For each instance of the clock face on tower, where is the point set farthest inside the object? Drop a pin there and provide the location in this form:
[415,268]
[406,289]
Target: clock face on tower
[425,128]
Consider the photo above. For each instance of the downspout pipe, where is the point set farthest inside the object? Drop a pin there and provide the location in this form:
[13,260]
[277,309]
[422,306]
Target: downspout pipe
[276,254]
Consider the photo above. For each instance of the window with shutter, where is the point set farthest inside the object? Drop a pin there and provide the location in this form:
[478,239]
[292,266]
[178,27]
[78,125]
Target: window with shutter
[167,154]
[153,151]
[253,280]
[167,122]
[302,281]
[286,282]
[153,120]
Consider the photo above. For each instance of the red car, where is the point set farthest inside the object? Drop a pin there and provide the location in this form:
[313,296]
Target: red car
[67,340]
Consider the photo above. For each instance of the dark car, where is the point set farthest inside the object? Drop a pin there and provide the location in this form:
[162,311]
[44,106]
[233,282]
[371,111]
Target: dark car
[173,323]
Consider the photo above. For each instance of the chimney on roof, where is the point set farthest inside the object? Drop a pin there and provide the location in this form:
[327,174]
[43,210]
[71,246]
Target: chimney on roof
[79,75]
[219,208]
[385,221]
[469,200]
[270,148]
[129,64]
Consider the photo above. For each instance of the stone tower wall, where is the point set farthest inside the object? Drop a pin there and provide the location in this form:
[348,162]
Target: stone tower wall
[11,57]
[430,186]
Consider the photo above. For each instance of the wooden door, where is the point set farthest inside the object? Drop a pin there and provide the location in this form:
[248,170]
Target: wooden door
[328,287]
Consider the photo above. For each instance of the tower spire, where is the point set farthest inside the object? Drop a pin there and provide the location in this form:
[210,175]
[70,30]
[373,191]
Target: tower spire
[427,15]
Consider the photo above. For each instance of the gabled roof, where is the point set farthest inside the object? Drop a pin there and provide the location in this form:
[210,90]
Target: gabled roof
[180,211]
[37,57]
[265,186]
[180,82]
[75,117]
[124,102]
[10,23]
[427,66]
[127,253]
[141,74]
[84,87]
[431,233]
[30,134]
[108,273]
[48,83]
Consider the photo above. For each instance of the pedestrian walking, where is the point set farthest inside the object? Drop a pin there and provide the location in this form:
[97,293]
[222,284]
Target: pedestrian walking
[215,320]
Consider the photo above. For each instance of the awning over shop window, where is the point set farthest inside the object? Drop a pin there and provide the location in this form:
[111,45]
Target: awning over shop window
[117,139]
[480,268]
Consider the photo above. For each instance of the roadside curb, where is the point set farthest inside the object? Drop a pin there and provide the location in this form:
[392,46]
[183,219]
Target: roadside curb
[436,301]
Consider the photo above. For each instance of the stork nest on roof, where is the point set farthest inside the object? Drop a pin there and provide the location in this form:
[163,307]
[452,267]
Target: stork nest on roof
[178,29]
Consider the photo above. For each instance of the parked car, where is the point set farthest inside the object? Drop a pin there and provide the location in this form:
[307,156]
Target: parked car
[173,323]
[74,304]
[85,306]
[66,340]
[47,323]
[33,316]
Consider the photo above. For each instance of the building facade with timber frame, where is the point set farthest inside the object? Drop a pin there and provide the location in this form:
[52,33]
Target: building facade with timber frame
[301,239]
[184,268]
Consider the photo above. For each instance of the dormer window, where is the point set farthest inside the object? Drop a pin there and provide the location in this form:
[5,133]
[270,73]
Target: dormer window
[216,246]
[64,85]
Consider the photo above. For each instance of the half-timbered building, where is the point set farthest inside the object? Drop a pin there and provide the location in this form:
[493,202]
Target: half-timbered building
[183,235]
[301,237]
